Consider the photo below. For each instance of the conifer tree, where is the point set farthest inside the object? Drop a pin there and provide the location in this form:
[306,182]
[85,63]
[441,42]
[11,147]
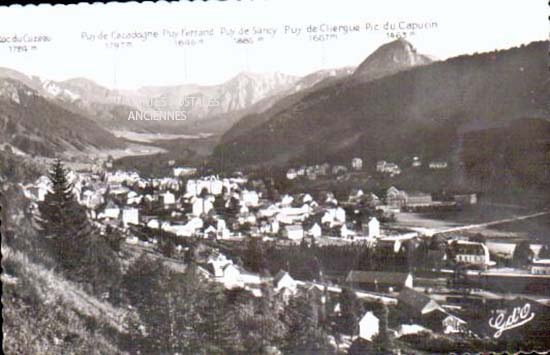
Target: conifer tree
[306,335]
[351,311]
[383,342]
[522,254]
[62,220]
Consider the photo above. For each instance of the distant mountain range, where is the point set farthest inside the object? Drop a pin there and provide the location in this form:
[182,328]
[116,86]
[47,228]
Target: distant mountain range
[396,104]
[33,124]
[209,108]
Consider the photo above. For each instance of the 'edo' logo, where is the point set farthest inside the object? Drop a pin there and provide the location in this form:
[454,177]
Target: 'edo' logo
[518,317]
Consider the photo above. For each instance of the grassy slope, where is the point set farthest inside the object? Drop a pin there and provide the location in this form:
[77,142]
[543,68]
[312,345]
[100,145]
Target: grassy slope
[45,314]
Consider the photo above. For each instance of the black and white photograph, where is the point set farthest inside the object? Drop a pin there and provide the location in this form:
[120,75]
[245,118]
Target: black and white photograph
[275,177]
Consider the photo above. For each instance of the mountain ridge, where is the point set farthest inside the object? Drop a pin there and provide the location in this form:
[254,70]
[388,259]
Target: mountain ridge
[388,59]
[38,126]
[375,66]
[425,107]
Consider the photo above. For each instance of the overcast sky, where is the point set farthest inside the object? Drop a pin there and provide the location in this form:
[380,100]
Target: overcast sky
[461,27]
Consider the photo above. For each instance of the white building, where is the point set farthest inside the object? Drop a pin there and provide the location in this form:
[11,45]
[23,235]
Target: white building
[195,223]
[290,215]
[211,184]
[283,280]
[42,187]
[334,216]
[374,228]
[216,187]
[230,276]
[369,326]
[186,230]
[168,198]
[181,171]
[468,252]
[111,211]
[294,232]
[438,165]
[130,216]
[275,226]
[91,199]
[291,174]
[270,211]
[286,200]
[387,167]
[250,198]
[357,163]
[153,224]
[202,206]
[315,231]
[221,229]
[133,198]
[540,267]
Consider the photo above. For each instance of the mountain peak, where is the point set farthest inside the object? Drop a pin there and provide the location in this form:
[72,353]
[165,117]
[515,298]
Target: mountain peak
[389,59]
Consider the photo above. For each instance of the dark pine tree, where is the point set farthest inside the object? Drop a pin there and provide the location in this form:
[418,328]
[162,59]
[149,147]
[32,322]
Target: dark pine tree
[383,342]
[306,334]
[351,311]
[62,220]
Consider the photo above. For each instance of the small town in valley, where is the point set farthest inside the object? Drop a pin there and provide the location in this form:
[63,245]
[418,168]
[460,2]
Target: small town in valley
[359,255]
[275,178]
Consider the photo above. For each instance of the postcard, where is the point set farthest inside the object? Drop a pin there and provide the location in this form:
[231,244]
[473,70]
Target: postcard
[275,177]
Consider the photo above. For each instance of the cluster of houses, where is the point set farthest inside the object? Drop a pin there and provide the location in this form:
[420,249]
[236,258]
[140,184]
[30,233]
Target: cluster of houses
[236,207]
[199,206]
[312,172]
[393,169]
[188,209]
[418,311]
[396,199]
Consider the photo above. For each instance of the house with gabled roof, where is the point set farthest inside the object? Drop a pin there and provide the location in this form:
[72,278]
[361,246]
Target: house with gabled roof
[422,309]
[283,280]
[395,197]
[416,303]
[110,210]
[369,326]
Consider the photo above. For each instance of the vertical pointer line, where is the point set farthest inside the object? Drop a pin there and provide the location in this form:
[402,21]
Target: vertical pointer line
[246,58]
[185,64]
[115,58]
[323,54]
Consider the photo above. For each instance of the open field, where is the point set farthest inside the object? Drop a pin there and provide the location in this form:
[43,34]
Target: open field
[536,227]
